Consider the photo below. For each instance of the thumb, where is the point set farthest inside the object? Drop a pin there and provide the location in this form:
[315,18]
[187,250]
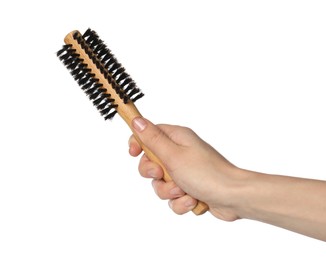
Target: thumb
[154,138]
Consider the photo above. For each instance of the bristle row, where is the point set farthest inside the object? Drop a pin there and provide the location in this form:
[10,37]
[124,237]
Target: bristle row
[87,81]
[111,64]
[100,66]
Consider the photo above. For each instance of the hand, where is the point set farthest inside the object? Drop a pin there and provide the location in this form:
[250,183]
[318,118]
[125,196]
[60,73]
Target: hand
[198,170]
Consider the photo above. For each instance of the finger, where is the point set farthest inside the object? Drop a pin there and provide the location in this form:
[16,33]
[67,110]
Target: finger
[134,148]
[180,135]
[155,139]
[167,190]
[149,169]
[183,204]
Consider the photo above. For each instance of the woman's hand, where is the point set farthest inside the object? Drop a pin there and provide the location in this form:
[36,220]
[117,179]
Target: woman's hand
[198,171]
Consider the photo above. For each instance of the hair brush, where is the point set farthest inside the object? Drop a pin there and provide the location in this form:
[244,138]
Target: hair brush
[106,83]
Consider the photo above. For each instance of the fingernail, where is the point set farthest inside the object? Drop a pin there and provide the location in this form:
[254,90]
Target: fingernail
[152,173]
[190,203]
[176,191]
[139,124]
[170,203]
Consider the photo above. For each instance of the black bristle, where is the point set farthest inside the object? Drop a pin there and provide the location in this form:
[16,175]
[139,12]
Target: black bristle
[130,87]
[98,101]
[87,86]
[127,81]
[87,33]
[117,73]
[75,71]
[104,57]
[95,93]
[79,75]
[133,92]
[122,77]
[64,48]
[111,115]
[140,95]
[113,68]
[102,105]
[106,110]
[73,65]
[91,90]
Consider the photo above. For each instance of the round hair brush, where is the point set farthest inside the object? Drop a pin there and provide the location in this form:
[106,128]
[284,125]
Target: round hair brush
[106,83]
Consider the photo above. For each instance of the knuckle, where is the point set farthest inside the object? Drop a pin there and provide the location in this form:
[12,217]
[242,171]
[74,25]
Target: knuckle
[174,205]
[156,137]
[187,130]
[179,211]
[159,189]
[160,193]
[142,169]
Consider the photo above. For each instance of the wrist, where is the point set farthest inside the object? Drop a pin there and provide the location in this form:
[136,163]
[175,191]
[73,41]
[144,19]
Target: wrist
[239,190]
[227,199]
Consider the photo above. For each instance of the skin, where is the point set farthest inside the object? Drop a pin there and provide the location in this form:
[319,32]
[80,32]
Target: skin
[199,171]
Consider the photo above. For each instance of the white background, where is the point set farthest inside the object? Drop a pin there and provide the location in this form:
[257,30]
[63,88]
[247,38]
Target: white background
[247,76]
